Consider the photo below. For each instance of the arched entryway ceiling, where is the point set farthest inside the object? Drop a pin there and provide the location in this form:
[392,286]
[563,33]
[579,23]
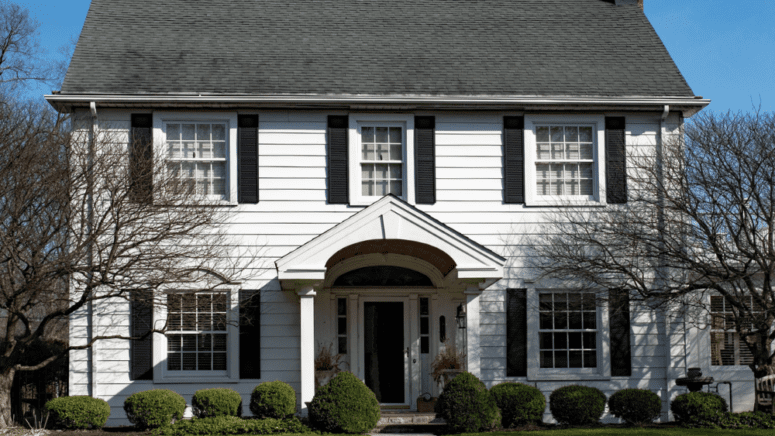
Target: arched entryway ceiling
[391,219]
[432,255]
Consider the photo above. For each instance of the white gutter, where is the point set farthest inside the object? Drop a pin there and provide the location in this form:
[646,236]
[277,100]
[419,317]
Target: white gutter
[84,99]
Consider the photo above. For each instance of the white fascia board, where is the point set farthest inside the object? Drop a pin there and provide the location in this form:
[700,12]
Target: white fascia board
[61,101]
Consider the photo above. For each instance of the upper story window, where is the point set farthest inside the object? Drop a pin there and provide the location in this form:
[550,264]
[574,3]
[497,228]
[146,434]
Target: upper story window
[197,155]
[381,157]
[568,330]
[197,334]
[564,159]
[726,346]
[382,160]
[200,150]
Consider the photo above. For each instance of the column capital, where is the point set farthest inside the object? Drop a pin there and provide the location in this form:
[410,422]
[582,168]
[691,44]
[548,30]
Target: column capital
[306,291]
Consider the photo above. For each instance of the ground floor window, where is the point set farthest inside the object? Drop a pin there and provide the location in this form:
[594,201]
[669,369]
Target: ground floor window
[197,337]
[568,329]
[727,348]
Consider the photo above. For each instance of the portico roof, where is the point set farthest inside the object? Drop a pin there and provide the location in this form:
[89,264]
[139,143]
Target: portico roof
[392,219]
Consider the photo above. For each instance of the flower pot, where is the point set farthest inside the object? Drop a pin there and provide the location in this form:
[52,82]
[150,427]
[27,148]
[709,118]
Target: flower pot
[426,406]
[322,377]
[448,374]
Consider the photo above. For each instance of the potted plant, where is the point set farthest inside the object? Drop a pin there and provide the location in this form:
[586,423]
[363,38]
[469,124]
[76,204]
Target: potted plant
[447,364]
[326,365]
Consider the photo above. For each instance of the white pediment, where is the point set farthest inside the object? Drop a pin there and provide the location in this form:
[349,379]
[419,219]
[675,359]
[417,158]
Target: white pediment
[393,219]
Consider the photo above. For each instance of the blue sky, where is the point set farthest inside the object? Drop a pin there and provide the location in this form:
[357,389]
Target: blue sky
[724,48]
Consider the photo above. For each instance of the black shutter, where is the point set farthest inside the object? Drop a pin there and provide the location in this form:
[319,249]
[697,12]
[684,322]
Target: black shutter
[247,159]
[615,161]
[250,334]
[141,159]
[425,159]
[514,159]
[141,350]
[619,322]
[516,333]
[337,159]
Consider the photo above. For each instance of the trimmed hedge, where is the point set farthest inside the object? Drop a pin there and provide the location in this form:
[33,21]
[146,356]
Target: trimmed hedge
[273,399]
[210,403]
[467,406]
[738,421]
[577,405]
[154,408]
[520,404]
[78,412]
[232,425]
[695,408]
[344,405]
[635,406]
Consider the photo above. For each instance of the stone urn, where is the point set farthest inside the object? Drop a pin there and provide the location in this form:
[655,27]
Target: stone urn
[448,374]
[323,376]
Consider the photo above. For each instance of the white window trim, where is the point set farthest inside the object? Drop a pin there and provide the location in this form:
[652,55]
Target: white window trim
[160,372]
[160,119]
[534,370]
[354,154]
[598,197]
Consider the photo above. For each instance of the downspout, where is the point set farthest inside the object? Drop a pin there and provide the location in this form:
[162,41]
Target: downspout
[92,359]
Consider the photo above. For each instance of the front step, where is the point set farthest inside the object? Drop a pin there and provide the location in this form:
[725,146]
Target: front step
[408,422]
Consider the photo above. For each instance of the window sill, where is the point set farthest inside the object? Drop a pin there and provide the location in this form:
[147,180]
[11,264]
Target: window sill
[189,379]
[368,201]
[562,202]
[568,376]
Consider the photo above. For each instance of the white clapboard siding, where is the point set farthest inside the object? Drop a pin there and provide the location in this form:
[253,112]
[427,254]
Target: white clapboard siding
[293,210]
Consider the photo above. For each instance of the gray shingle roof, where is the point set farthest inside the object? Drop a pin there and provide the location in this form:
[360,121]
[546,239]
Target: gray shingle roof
[374,47]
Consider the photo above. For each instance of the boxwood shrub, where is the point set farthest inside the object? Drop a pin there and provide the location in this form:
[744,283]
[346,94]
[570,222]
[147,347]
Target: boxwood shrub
[577,405]
[78,412]
[344,405]
[273,399]
[695,408]
[635,406]
[208,403]
[154,408]
[232,425]
[467,406]
[520,404]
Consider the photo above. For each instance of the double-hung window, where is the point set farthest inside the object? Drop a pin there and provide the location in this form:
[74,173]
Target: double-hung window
[568,329]
[197,332]
[564,160]
[381,157]
[726,346]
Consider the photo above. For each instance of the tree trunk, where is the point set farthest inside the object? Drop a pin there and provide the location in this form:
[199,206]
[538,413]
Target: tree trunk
[6,382]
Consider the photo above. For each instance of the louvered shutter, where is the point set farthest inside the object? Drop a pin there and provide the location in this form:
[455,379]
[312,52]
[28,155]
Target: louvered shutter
[141,159]
[250,334]
[513,159]
[141,350]
[247,159]
[337,160]
[619,323]
[425,159]
[615,160]
[516,333]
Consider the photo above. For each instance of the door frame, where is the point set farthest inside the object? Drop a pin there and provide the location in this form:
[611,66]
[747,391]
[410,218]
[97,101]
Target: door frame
[407,343]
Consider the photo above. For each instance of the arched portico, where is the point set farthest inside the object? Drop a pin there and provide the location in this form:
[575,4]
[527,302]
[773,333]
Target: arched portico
[388,234]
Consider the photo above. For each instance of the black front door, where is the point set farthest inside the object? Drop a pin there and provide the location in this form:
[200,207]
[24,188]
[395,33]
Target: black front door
[384,350]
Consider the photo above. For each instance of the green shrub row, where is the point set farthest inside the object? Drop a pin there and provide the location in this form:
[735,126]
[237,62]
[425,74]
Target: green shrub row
[78,412]
[232,425]
[707,410]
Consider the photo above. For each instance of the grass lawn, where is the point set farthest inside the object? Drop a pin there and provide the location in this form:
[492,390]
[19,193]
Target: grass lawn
[677,431]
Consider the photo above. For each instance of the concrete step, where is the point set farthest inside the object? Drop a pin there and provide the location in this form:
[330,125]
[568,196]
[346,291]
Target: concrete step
[409,422]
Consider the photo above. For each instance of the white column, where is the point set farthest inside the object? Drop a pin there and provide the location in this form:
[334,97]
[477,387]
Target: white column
[414,337]
[352,336]
[307,346]
[473,349]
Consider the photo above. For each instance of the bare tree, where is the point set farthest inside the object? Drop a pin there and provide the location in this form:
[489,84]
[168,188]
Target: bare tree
[90,218]
[20,52]
[697,234]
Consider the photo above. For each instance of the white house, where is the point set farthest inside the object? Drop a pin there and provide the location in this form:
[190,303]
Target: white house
[389,156]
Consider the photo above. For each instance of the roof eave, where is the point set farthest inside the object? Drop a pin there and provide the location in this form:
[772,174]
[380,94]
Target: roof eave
[689,105]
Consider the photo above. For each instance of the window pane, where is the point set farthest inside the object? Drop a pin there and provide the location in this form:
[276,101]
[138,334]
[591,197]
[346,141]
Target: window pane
[219,321]
[546,320]
[189,361]
[571,134]
[173,132]
[381,171]
[219,302]
[574,359]
[424,326]
[424,306]
[396,188]
[381,134]
[205,361]
[205,342]
[189,132]
[574,340]
[558,150]
[395,135]
[219,361]
[585,134]
[203,132]
[367,134]
[219,342]
[381,187]
[342,345]
[560,301]
[396,152]
[205,321]
[219,132]
[367,151]
[367,172]
[341,307]
[546,341]
[367,188]
[542,134]
[542,150]
[174,343]
[546,359]
[173,362]
[545,301]
[383,152]
[557,134]
[219,150]
[189,342]
[189,321]
[342,326]
[585,151]
[560,341]
[425,345]
[561,359]
[590,359]
[590,340]
[590,320]
[560,320]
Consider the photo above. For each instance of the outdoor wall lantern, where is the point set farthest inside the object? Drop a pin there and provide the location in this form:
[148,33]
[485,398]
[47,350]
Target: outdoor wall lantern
[461,316]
